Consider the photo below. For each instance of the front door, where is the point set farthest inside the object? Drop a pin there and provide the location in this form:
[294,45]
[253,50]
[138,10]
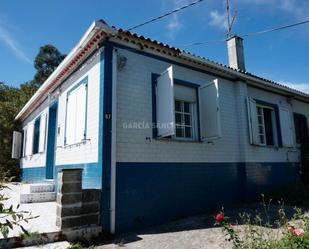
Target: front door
[51,141]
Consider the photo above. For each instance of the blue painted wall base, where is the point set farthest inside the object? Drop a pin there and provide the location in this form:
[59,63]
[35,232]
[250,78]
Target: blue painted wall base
[152,193]
[92,174]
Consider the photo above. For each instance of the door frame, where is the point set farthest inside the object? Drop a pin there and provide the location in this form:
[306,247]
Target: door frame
[51,140]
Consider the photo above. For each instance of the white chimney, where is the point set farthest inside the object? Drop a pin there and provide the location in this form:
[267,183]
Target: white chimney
[236,52]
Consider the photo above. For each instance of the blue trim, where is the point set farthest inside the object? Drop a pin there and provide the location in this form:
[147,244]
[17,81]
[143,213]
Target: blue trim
[276,108]
[154,101]
[153,193]
[83,81]
[107,126]
[51,139]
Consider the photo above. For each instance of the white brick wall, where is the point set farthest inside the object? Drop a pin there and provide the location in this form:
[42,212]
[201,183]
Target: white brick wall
[88,152]
[84,153]
[135,104]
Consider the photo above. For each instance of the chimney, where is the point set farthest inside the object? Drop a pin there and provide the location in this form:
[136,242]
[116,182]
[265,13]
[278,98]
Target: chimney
[236,52]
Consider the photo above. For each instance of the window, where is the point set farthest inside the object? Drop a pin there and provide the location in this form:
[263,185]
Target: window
[184,119]
[76,110]
[301,128]
[262,120]
[180,105]
[265,123]
[24,141]
[36,136]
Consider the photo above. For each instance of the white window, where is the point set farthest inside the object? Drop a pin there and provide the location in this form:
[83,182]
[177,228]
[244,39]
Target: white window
[75,130]
[29,144]
[262,124]
[266,125]
[184,119]
[24,141]
[209,105]
[42,137]
[16,144]
[286,128]
[176,106]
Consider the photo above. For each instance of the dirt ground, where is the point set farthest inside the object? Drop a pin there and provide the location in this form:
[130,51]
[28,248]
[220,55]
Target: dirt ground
[196,232]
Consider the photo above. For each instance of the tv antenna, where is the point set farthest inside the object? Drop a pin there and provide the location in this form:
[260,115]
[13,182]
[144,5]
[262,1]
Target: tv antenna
[229,22]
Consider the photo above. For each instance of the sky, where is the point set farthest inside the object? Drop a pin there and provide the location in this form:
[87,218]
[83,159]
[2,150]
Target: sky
[282,56]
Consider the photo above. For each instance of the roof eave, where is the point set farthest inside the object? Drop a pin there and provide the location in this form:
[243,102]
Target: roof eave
[91,31]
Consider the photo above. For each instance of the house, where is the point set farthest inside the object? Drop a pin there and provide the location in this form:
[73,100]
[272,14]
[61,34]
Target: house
[164,133]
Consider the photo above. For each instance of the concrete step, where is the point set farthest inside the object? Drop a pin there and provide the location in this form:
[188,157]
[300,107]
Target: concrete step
[37,197]
[40,187]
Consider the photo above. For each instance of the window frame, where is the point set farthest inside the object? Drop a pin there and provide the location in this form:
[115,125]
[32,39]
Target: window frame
[192,120]
[276,126]
[72,89]
[25,130]
[299,115]
[36,135]
[196,120]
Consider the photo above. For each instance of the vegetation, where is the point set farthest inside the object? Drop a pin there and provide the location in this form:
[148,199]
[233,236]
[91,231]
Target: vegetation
[261,231]
[12,99]
[11,217]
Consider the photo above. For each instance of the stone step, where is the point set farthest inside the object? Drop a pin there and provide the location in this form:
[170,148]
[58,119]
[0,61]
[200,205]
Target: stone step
[37,187]
[37,197]
[40,187]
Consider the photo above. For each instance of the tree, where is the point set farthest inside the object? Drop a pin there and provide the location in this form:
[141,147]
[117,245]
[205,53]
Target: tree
[46,62]
[12,99]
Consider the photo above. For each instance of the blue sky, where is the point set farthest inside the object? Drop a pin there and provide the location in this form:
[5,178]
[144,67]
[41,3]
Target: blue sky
[282,56]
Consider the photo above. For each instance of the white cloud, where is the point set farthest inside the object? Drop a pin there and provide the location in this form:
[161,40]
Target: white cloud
[303,87]
[174,24]
[12,44]
[217,19]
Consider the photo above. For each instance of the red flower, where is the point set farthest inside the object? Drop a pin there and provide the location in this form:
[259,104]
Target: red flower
[296,231]
[219,217]
[291,228]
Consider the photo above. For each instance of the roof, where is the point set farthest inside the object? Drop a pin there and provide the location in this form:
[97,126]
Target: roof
[99,30]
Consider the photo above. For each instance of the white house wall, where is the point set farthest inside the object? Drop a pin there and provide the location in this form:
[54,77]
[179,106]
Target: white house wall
[88,152]
[134,92]
[75,154]
[39,159]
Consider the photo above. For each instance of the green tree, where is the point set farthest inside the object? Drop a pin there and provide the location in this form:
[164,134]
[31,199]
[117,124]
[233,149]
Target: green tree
[9,105]
[46,62]
[12,99]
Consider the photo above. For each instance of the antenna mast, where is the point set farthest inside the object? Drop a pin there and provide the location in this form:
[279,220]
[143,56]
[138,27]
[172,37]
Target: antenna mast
[229,22]
[228,18]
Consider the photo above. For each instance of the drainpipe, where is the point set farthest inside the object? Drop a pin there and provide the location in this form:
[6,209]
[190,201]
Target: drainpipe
[113,144]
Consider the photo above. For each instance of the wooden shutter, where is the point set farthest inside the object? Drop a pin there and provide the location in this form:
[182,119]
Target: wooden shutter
[16,145]
[165,104]
[42,132]
[29,144]
[286,127]
[24,141]
[253,122]
[209,106]
[81,95]
[70,119]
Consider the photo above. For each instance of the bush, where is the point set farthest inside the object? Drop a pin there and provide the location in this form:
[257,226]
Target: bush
[256,233]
